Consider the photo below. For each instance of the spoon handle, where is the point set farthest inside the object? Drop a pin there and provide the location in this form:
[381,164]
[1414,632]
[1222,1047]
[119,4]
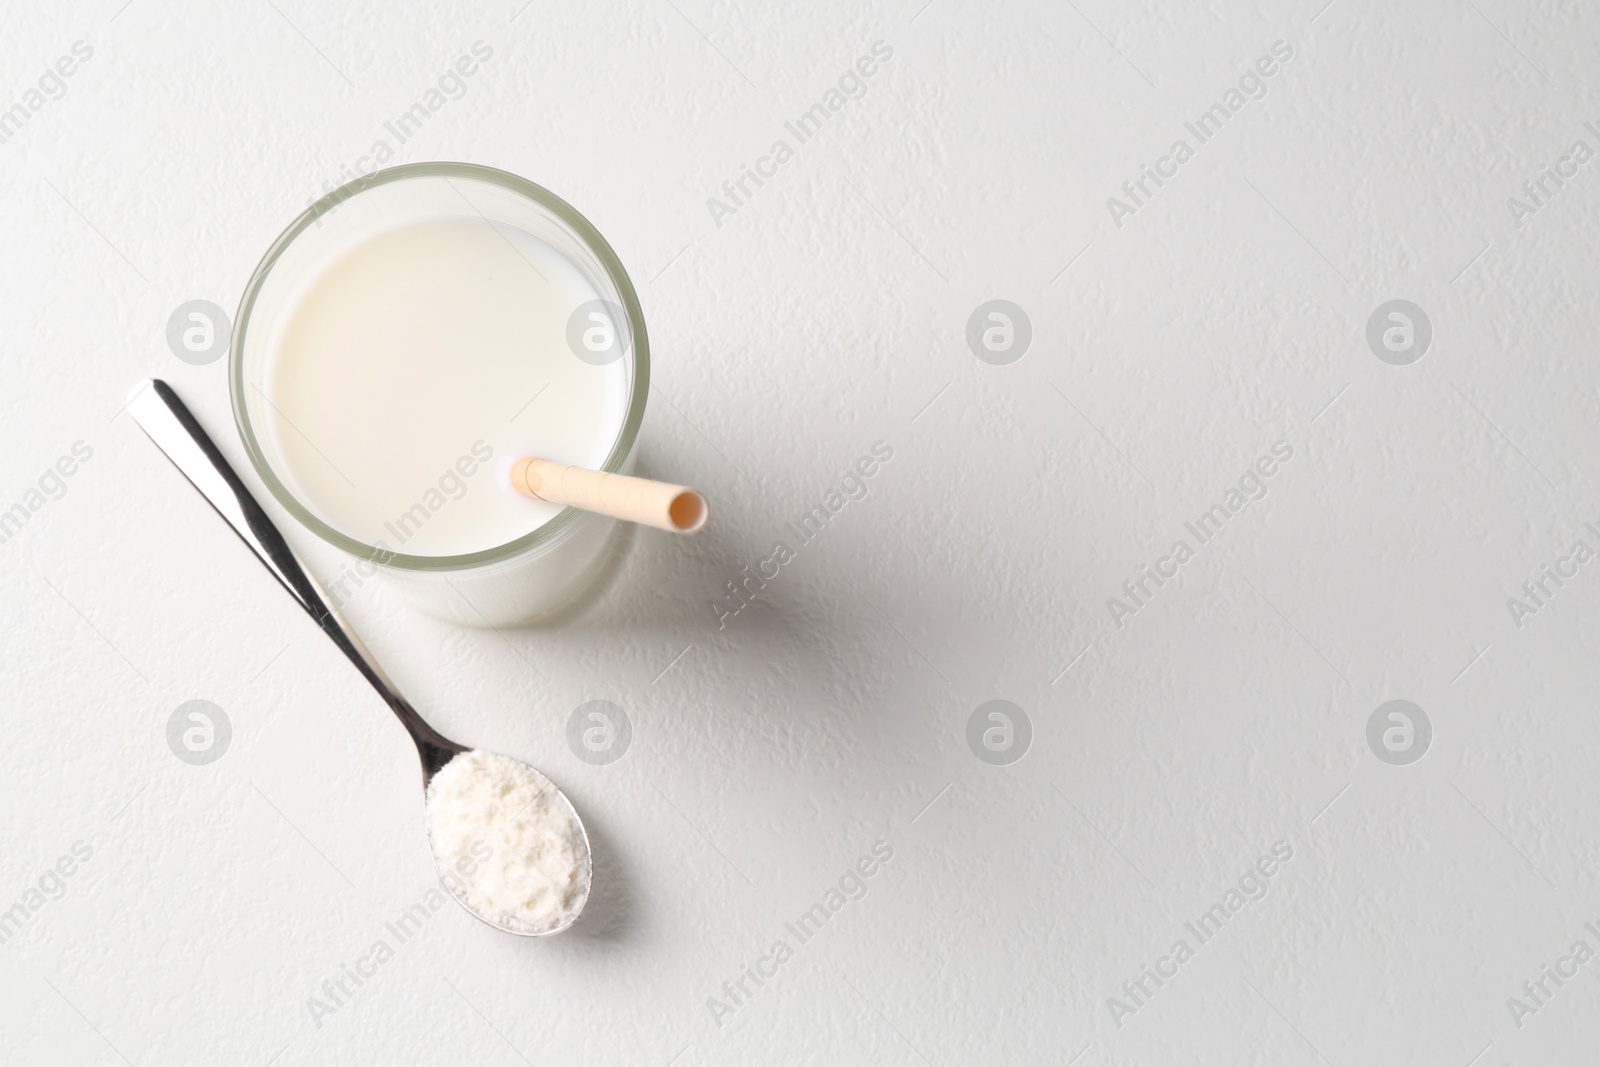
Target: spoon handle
[169,423]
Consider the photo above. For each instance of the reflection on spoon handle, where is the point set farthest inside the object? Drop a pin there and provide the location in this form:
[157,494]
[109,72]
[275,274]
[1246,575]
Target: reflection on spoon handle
[169,423]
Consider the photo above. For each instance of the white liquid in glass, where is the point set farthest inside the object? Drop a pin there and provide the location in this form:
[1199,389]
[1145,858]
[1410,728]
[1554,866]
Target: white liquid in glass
[425,352]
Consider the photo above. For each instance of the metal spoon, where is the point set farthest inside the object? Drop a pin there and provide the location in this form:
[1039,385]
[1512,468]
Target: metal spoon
[162,416]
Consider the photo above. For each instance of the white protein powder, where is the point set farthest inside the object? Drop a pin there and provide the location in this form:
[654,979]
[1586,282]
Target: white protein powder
[507,843]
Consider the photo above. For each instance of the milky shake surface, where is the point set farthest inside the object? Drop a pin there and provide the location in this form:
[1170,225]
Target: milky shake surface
[507,843]
[415,366]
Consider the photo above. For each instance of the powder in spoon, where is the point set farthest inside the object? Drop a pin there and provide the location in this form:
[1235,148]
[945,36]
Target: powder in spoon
[512,838]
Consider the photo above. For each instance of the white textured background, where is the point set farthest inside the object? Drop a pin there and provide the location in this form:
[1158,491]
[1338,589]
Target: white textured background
[827,313]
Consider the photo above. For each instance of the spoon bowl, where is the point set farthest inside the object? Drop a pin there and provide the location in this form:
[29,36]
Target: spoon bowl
[176,432]
[585,866]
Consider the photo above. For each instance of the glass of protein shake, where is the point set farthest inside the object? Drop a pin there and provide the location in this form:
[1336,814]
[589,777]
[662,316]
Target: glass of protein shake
[409,337]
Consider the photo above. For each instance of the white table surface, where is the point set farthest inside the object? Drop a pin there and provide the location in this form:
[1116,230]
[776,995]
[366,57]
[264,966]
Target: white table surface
[1170,748]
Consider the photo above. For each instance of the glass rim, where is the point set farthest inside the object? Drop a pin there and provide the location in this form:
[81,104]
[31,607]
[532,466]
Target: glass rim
[597,245]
